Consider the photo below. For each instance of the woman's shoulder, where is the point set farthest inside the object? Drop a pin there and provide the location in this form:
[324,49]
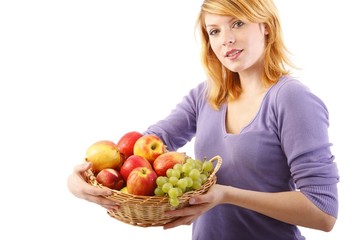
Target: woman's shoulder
[291,92]
[200,88]
[289,83]
[198,92]
[289,87]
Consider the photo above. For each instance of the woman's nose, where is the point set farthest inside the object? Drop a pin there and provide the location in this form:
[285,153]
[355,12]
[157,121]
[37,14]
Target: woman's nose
[228,39]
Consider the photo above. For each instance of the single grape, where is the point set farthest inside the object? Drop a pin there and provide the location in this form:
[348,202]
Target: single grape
[207,166]
[194,174]
[174,202]
[189,182]
[169,172]
[197,184]
[182,184]
[160,181]
[176,173]
[158,192]
[173,180]
[173,192]
[191,162]
[198,164]
[203,178]
[186,168]
[166,187]
[181,192]
[178,167]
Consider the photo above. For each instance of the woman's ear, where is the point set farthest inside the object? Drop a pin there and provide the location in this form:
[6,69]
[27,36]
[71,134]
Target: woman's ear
[266,27]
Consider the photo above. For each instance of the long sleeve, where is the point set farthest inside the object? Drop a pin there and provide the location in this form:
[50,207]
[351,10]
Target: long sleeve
[303,122]
[179,127]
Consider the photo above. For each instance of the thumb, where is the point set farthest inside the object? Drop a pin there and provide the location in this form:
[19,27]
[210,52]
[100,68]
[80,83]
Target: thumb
[200,199]
[83,167]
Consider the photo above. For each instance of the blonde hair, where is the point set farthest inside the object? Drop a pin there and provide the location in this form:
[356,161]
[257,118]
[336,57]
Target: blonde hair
[224,84]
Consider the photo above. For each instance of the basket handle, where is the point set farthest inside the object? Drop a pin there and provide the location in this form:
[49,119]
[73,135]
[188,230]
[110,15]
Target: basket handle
[217,167]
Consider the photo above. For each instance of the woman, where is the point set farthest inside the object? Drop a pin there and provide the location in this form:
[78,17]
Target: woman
[278,171]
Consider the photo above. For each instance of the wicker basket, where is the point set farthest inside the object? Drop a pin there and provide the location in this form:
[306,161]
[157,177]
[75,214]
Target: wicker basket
[146,211]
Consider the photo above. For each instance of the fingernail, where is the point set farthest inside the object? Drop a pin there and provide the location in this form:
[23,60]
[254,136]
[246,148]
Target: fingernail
[108,193]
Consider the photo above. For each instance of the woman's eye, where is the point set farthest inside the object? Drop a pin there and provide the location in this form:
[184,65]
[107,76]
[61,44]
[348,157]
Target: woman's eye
[213,32]
[238,24]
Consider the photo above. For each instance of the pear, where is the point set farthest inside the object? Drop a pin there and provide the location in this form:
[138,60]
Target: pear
[104,154]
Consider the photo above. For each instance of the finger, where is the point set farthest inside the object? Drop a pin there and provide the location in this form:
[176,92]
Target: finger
[82,167]
[111,207]
[104,202]
[96,191]
[97,198]
[80,188]
[187,211]
[181,221]
[200,199]
[88,188]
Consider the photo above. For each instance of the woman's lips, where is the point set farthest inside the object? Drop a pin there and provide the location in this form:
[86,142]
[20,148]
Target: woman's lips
[233,54]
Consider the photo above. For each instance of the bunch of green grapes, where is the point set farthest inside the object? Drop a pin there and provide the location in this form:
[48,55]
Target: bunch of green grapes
[182,178]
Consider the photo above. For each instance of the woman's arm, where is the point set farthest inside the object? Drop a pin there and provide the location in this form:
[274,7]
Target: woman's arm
[290,207]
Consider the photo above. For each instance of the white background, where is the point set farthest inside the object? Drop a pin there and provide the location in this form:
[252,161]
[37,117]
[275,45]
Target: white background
[74,72]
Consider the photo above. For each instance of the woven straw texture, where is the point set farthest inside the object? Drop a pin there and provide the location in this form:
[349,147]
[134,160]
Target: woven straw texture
[147,211]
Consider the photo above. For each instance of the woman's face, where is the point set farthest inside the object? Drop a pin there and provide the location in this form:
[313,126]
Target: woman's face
[238,45]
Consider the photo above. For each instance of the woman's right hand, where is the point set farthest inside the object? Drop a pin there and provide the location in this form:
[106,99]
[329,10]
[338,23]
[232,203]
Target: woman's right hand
[81,189]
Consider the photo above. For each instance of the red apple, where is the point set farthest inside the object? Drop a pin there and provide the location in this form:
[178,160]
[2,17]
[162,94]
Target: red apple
[126,143]
[141,181]
[167,160]
[131,163]
[104,154]
[110,178]
[149,147]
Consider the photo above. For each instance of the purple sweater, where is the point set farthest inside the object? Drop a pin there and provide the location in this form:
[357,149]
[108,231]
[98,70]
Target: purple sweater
[284,148]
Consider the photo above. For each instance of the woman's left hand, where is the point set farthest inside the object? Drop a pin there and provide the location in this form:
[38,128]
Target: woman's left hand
[198,205]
